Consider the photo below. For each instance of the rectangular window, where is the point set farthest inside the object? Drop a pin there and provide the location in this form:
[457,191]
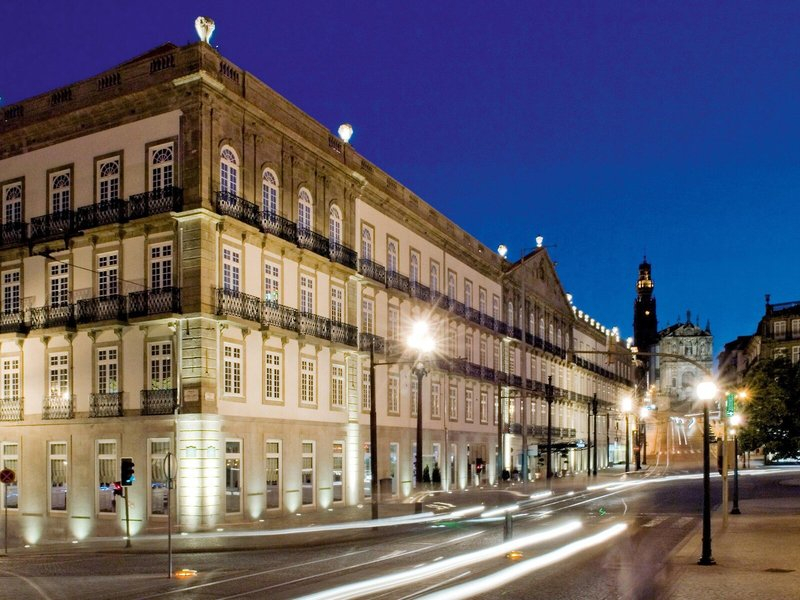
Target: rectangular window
[496,409]
[452,403]
[10,377]
[337,304]
[337,479]
[108,274]
[337,386]
[482,300]
[272,283]
[496,355]
[434,280]
[308,368]
[483,357]
[272,377]
[307,473]
[158,449]
[11,293]
[393,401]
[495,307]
[58,375]
[435,400]
[365,388]
[107,474]
[469,405]
[413,267]
[12,203]
[108,172]
[273,473]
[468,348]
[367,315]
[452,343]
[57,467]
[795,354]
[306,294]
[10,460]
[233,476]
[779,329]
[232,373]
[231,268]
[366,242]
[107,371]
[59,283]
[795,328]
[394,323]
[468,294]
[161,266]
[160,366]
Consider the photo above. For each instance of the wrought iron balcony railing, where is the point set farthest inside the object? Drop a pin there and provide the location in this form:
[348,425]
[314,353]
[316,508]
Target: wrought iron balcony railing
[279,226]
[230,204]
[159,402]
[105,405]
[488,373]
[473,314]
[102,213]
[343,333]
[343,255]
[311,240]
[102,308]
[311,324]
[454,306]
[397,281]
[154,202]
[13,322]
[365,340]
[419,291]
[281,316]
[11,409]
[55,225]
[43,317]
[472,370]
[487,321]
[154,302]
[439,300]
[57,407]
[238,304]
[14,233]
[514,428]
[372,270]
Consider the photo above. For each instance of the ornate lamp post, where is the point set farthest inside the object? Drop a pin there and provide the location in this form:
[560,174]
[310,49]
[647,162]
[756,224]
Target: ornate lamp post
[735,421]
[594,414]
[548,396]
[643,433]
[421,341]
[706,391]
[627,407]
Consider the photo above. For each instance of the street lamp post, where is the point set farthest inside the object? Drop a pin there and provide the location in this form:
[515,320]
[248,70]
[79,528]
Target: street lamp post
[421,341]
[589,437]
[735,421]
[627,405]
[548,395]
[594,415]
[643,434]
[706,391]
[373,431]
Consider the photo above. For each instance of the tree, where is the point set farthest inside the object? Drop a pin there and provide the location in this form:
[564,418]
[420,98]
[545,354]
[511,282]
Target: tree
[773,408]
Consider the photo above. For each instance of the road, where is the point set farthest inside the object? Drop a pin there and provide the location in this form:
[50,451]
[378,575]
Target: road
[645,517]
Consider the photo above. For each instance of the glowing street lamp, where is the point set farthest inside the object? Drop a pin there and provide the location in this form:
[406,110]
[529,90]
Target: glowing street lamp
[423,342]
[706,390]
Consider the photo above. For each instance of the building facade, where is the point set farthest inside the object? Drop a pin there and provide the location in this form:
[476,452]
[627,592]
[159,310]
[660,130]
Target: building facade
[193,267]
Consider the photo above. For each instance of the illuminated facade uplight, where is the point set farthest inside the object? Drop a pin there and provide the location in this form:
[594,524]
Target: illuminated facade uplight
[345,132]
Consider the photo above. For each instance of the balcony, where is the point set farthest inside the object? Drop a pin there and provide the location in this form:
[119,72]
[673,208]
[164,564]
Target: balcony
[102,308]
[487,321]
[57,406]
[367,340]
[238,304]
[454,306]
[473,315]
[231,205]
[154,202]
[159,402]
[397,281]
[11,409]
[371,269]
[343,255]
[515,380]
[280,316]
[487,373]
[279,226]
[310,240]
[419,291]
[13,234]
[102,213]
[311,324]
[59,224]
[438,299]
[342,333]
[13,322]
[105,405]
[514,428]
[472,370]
[154,302]
[44,317]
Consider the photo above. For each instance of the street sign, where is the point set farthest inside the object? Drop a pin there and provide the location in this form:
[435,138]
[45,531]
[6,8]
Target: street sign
[7,476]
[730,404]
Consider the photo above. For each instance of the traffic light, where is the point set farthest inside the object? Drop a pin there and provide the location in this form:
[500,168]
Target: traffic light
[126,473]
[117,485]
[478,465]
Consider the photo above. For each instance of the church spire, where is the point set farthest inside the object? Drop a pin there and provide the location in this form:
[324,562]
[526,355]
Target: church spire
[645,324]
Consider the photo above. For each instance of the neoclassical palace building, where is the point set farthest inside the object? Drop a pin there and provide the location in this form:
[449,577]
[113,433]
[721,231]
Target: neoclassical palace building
[193,266]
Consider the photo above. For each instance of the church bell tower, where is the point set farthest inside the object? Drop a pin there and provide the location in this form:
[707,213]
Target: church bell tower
[645,325]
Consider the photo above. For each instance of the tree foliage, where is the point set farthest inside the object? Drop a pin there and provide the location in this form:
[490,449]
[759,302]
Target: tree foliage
[772,410]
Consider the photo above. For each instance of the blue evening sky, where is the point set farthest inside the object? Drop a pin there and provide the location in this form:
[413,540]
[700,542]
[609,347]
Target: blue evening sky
[611,128]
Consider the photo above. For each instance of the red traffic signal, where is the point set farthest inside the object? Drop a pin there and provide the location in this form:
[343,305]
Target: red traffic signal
[117,488]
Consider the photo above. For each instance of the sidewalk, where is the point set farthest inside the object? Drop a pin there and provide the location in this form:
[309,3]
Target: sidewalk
[757,555]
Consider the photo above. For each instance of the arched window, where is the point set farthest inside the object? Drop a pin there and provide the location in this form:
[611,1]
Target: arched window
[391,257]
[335,226]
[228,171]
[434,278]
[510,313]
[162,162]
[305,220]
[269,193]
[108,180]
[550,332]
[59,192]
[541,327]
[12,204]
[366,243]
[558,338]
[413,269]
[451,286]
